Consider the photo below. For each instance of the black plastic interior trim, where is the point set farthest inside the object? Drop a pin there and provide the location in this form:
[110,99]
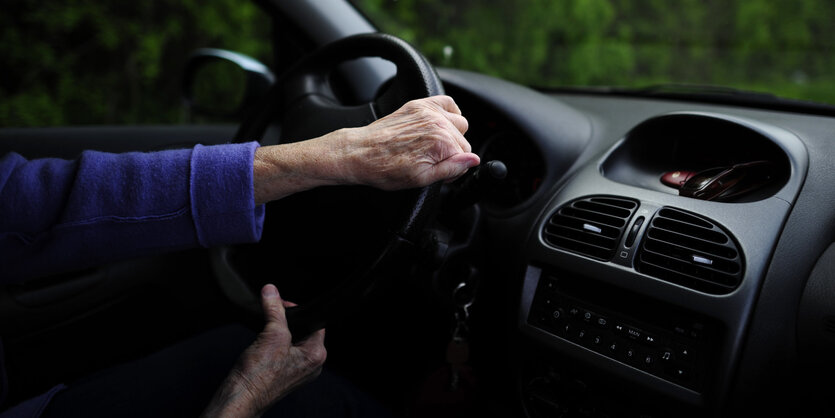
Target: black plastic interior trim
[69,142]
[745,102]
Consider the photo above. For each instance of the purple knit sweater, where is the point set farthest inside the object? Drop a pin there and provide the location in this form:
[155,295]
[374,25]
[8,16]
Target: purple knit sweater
[61,215]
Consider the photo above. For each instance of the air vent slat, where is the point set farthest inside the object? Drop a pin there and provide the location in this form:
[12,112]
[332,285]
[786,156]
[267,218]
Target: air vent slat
[621,203]
[581,236]
[686,241]
[685,217]
[582,225]
[689,265]
[586,214]
[581,247]
[691,230]
[674,276]
[691,251]
[592,226]
[614,211]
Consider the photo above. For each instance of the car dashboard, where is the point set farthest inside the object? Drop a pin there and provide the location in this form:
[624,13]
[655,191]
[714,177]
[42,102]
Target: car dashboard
[620,297]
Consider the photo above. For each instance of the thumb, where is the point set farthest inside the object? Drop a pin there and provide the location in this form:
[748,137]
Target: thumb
[272,305]
[455,166]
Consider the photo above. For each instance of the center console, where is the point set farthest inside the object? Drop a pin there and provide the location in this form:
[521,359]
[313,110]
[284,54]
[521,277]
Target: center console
[635,299]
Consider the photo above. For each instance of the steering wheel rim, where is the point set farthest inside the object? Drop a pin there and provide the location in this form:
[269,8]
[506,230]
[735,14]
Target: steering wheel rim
[309,107]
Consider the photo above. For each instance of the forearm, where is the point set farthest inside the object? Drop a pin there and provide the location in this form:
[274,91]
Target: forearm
[421,143]
[281,170]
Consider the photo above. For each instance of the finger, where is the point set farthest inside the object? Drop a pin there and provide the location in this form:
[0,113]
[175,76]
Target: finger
[288,304]
[454,166]
[462,142]
[272,305]
[446,103]
[458,121]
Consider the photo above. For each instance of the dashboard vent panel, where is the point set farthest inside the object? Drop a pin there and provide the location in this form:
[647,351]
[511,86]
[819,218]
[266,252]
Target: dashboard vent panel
[591,226]
[691,251]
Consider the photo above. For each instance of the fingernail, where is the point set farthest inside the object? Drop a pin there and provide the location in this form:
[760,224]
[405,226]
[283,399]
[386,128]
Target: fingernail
[269,291]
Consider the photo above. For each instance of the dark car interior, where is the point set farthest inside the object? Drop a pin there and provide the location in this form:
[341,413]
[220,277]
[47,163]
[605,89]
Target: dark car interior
[581,283]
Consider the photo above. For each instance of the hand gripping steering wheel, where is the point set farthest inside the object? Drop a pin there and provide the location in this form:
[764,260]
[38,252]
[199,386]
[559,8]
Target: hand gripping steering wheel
[309,107]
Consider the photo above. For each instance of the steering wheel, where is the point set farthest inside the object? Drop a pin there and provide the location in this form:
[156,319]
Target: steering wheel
[310,108]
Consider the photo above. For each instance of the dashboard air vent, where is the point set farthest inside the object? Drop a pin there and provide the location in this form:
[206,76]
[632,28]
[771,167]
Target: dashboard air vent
[691,251]
[590,226]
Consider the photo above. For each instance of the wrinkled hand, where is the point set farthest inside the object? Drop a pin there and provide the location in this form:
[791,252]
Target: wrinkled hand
[271,367]
[417,145]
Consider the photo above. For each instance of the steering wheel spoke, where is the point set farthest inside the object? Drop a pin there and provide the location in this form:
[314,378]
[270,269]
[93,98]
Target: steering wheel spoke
[314,115]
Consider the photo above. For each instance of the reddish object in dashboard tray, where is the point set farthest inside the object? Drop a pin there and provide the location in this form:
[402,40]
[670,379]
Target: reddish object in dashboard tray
[676,179]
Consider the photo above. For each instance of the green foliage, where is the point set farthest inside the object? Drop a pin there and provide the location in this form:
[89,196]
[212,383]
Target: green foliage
[112,61]
[784,47]
[218,87]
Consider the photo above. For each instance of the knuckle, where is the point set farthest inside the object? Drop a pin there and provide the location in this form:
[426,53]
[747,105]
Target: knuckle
[274,312]
[465,124]
[440,124]
[427,113]
[413,105]
[317,355]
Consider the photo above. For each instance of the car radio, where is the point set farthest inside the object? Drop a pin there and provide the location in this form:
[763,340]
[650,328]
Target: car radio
[632,329]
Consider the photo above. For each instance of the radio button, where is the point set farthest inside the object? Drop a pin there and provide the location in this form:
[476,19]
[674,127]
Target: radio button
[634,333]
[602,322]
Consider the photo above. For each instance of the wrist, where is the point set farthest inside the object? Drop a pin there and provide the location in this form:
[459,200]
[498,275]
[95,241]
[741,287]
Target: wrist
[281,170]
[234,398]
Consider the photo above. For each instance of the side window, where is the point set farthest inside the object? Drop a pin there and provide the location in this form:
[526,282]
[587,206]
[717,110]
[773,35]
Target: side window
[113,62]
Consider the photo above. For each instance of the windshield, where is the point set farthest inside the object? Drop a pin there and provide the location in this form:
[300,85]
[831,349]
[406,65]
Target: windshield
[785,48]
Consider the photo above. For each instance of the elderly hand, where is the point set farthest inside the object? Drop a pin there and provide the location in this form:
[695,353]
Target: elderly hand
[271,367]
[419,144]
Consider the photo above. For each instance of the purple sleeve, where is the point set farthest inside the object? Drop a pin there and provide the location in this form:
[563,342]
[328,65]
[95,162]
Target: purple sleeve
[57,215]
